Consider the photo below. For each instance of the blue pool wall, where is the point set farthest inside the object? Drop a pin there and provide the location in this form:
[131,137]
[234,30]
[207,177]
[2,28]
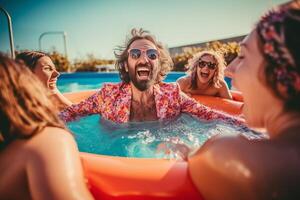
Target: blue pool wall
[114,76]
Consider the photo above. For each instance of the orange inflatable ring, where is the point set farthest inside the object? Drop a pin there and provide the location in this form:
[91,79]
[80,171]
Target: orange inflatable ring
[142,178]
[233,107]
[138,178]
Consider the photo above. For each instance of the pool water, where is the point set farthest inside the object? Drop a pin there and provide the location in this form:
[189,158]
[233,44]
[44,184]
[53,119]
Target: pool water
[73,82]
[88,81]
[156,139]
[159,139]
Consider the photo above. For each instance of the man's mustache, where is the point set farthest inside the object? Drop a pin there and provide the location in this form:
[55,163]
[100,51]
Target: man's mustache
[149,66]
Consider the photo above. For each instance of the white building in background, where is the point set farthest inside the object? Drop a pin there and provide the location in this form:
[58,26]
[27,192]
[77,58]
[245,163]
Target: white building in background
[180,49]
[106,68]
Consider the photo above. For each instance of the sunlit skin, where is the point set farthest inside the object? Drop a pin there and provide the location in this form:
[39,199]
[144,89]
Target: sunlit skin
[46,166]
[143,104]
[204,82]
[46,71]
[252,169]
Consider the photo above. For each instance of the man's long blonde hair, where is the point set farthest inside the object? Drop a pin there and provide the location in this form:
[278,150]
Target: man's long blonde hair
[219,73]
[121,53]
[25,107]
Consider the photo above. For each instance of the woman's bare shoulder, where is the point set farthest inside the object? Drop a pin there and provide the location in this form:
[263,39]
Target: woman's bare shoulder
[237,164]
[51,141]
[184,81]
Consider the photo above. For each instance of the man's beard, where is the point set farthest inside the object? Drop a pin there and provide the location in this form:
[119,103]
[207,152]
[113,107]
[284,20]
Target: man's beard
[143,85]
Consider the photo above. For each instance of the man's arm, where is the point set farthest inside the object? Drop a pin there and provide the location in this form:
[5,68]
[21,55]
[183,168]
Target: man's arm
[91,105]
[191,106]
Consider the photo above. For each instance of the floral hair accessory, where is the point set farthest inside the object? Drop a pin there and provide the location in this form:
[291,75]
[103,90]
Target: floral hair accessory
[281,63]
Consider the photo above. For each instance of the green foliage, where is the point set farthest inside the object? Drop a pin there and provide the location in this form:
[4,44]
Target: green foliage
[80,65]
[61,62]
[229,50]
[90,63]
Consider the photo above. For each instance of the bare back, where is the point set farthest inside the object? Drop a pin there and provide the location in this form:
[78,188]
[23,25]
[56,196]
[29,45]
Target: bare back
[238,168]
[37,168]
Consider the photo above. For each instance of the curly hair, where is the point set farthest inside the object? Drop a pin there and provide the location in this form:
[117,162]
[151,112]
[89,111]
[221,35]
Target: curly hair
[219,73]
[121,53]
[25,107]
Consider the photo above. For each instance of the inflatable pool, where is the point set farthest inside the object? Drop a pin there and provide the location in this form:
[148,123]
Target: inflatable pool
[111,177]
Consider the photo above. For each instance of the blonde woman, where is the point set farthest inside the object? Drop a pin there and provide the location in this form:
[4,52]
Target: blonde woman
[39,157]
[205,76]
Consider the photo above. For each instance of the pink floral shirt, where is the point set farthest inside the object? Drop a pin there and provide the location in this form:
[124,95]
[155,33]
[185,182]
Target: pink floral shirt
[113,102]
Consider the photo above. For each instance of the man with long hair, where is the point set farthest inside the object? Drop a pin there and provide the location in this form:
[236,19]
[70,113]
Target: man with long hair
[142,63]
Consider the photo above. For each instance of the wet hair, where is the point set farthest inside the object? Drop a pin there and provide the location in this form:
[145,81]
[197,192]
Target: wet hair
[219,73]
[121,53]
[30,58]
[25,107]
[279,42]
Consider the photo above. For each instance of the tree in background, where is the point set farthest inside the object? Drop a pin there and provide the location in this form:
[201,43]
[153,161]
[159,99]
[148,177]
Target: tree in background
[80,65]
[90,64]
[61,62]
[229,50]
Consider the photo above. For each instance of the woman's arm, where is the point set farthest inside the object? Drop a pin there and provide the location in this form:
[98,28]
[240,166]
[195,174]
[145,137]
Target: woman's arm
[53,168]
[224,91]
[183,84]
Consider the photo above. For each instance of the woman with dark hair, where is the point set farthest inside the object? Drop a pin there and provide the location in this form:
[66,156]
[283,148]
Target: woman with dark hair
[39,157]
[267,72]
[205,76]
[42,66]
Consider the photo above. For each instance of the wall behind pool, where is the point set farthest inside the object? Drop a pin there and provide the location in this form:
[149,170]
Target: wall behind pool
[114,76]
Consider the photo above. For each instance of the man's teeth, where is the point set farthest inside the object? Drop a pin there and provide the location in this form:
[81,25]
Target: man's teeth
[143,72]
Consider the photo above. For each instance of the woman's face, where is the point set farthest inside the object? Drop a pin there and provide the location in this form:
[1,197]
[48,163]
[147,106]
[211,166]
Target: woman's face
[248,77]
[206,68]
[45,70]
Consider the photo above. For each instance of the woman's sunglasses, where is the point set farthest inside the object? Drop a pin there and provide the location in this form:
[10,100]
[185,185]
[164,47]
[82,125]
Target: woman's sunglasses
[135,54]
[210,65]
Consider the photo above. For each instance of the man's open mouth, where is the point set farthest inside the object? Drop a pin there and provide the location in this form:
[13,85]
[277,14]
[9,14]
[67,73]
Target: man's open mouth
[143,73]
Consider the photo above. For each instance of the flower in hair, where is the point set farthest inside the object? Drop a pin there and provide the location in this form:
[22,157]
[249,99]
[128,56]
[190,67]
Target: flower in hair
[281,62]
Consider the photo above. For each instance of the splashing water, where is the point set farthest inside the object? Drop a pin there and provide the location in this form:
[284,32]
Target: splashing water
[156,139]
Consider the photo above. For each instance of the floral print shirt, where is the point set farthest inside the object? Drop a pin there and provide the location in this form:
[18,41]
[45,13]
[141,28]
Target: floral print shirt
[113,102]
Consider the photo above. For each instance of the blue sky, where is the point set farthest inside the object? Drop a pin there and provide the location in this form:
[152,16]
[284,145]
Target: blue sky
[98,26]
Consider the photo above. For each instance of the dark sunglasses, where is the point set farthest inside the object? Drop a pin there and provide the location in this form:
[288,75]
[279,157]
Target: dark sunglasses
[135,54]
[210,65]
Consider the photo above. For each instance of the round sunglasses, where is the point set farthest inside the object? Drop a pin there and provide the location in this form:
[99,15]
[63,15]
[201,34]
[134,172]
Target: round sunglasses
[135,54]
[210,65]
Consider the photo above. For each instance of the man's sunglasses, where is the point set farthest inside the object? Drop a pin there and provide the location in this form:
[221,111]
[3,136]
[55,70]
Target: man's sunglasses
[210,65]
[135,54]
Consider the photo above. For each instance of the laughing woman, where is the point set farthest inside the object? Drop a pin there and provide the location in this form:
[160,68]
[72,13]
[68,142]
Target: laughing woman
[43,67]
[206,76]
[267,72]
